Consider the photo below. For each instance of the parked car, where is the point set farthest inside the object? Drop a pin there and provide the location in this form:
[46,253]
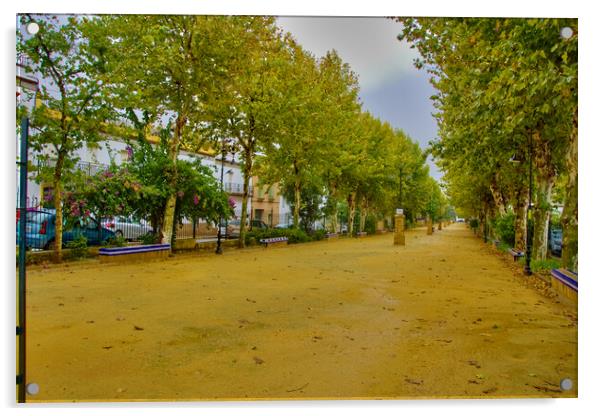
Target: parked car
[40,230]
[227,229]
[555,241]
[127,227]
[234,227]
[283,225]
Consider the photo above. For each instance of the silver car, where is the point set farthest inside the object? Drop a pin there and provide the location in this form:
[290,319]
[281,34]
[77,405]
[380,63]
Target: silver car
[129,228]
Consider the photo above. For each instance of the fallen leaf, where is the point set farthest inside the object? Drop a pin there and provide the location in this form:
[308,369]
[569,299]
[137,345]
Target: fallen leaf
[298,388]
[411,381]
[547,389]
[258,360]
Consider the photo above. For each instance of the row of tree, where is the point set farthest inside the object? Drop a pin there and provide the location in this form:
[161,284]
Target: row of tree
[506,92]
[235,83]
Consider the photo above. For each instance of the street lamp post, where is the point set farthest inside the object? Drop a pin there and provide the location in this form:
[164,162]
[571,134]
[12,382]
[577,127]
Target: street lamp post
[21,379]
[218,249]
[528,271]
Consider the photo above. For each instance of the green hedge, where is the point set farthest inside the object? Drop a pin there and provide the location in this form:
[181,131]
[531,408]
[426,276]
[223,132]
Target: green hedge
[294,236]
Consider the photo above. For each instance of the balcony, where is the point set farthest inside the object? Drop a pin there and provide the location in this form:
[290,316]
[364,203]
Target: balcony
[233,188]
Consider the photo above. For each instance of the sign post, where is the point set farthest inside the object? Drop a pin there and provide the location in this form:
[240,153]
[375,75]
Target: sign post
[399,239]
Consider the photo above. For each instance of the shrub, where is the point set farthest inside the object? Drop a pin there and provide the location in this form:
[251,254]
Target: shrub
[503,247]
[370,226]
[503,227]
[294,236]
[297,236]
[474,223]
[149,238]
[319,235]
[542,265]
[78,247]
[116,241]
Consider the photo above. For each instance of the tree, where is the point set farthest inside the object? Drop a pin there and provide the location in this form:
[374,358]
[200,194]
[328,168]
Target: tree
[164,66]
[198,194]
[242,110]
[504,86]
[70,107]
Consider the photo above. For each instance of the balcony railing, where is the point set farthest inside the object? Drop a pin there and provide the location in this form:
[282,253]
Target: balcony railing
[236,188]
[88,167]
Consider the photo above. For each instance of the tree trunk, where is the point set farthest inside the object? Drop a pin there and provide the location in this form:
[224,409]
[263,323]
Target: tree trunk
[541,218]
[520,220]
[334,218]
[58,207]
[481,229]
[363,214]
[542,161]
[351,220]
[569,218]
[168,219]
[246,177]
[297,196]
[170,206]
[498,197]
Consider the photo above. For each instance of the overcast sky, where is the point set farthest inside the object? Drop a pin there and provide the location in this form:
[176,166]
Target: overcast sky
[391,88]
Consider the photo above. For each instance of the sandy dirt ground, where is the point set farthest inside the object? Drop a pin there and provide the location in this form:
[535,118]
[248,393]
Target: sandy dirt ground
[443,316]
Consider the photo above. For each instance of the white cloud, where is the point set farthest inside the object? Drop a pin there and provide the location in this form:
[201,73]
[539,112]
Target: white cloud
[368,44]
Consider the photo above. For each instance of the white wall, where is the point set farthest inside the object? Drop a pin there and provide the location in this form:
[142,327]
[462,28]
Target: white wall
[101,154]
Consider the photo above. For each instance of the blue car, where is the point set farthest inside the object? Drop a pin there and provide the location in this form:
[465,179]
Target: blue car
[40,230]
[555,241]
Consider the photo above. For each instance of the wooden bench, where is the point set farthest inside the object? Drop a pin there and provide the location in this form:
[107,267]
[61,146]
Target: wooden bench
[329,236]
[274,241]
[515,253]
[132,253]
[361,234]
[565,283]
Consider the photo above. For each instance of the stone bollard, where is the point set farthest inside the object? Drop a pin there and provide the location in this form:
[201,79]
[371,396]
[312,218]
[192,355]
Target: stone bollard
[429,226]
[439,226]
[399,238]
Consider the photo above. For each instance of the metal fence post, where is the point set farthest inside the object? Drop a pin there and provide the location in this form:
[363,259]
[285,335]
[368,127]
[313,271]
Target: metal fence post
[22,253]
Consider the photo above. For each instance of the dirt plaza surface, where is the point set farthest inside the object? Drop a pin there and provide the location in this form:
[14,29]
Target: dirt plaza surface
[443,316]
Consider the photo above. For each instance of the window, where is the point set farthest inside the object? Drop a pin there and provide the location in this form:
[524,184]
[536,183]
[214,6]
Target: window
[47,196]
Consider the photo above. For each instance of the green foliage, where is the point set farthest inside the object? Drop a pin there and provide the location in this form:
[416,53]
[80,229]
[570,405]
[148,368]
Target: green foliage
[555,219]
[112,192]
[370,226]
[504,86]
[149,238]
[294,235]
[504,247]
[116,241]
[318,235]
[198,194]
[503,227]
[78,247]
[539,266]
[197,80]
[70,103]
[474,223]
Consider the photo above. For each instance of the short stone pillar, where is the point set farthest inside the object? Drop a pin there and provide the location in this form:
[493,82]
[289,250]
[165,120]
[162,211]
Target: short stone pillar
[439,227]
[399,238]
[429,226]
